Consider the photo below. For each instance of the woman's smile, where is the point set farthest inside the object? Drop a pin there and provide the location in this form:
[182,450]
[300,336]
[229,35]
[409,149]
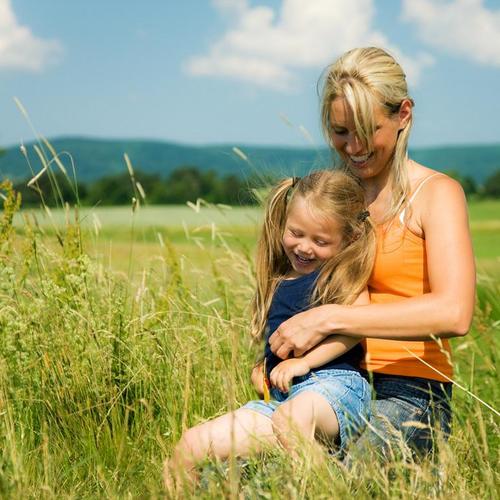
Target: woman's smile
[360,160]
[365,164]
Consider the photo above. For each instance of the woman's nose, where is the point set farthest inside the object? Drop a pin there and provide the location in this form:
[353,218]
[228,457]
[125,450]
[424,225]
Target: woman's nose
[353,144]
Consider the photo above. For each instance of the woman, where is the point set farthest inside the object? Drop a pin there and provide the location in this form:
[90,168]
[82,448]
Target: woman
[423,283]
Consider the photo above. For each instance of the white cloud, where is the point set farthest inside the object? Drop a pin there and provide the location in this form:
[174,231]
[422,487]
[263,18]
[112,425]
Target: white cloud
[460,27]
[267,48]
[230,6]
[19,48]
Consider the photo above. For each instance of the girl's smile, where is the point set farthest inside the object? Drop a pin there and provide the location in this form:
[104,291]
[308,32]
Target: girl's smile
[309,239]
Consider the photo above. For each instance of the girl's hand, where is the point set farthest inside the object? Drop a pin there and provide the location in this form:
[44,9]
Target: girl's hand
[283,373]
[257,379]
[301,332]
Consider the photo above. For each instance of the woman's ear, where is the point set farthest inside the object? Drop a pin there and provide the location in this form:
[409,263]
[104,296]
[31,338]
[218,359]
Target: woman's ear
[405,112]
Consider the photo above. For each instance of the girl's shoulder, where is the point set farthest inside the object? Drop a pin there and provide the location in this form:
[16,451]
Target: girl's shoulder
[301,281]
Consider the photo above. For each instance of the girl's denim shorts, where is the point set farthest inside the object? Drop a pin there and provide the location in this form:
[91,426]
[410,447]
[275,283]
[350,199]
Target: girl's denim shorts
[347,392]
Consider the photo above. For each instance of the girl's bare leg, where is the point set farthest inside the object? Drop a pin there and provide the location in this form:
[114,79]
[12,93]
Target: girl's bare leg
[304,418]
[241,433]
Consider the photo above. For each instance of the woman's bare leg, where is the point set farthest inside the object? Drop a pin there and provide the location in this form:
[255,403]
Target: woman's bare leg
[238,433]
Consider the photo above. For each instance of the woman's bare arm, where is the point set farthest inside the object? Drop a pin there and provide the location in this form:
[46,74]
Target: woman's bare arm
[446,311]
[329,349]
[334,346]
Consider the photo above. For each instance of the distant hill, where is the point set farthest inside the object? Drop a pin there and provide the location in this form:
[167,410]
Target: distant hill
[478,162]
[95,158]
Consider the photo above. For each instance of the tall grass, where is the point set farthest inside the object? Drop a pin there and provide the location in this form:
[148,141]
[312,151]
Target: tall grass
[101,371]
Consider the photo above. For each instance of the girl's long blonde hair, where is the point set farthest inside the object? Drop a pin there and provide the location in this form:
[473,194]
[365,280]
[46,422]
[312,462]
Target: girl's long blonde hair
[331,194]
[368,77]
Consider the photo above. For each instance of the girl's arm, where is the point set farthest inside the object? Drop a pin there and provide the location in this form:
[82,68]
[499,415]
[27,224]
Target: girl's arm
[446,311]
[330,348]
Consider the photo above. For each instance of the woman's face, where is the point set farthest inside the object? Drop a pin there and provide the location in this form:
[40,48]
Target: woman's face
[363,163]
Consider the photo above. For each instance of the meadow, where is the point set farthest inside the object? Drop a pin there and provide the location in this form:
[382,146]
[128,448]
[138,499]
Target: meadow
[119,328]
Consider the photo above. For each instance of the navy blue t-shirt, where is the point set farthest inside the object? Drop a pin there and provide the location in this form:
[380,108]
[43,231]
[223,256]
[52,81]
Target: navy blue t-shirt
[294,296]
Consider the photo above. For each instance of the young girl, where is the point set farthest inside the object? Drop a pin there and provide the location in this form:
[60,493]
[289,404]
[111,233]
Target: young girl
[317,246]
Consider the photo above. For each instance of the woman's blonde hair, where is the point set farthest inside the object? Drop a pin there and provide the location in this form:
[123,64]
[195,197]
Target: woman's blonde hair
[329,194]
[368,77]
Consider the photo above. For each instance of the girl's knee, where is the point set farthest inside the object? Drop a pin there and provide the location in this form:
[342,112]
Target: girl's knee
[192,445]
[308,414]
[281,418]
[179,469]
[288,419]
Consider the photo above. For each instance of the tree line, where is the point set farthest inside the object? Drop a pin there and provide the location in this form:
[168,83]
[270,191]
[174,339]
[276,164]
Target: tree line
[186,183]
[490,188]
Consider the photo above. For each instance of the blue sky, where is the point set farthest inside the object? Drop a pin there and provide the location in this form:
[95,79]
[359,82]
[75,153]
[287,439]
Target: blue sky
[238,71]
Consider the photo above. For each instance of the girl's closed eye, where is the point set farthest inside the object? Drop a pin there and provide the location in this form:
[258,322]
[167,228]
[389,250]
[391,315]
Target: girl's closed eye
[322,243]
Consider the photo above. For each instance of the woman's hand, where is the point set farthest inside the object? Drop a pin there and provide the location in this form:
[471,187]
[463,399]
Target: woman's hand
[301,332]
[257,378]
[283,373]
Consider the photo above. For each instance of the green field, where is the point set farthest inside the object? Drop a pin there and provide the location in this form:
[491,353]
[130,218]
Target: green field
[188,227]
[121,329]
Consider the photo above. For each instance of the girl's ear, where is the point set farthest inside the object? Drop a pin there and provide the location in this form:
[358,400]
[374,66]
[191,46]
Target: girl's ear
[356,234]
[405,112]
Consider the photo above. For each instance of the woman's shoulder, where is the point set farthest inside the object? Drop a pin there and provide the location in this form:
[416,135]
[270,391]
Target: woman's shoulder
[434,197]
[429,183]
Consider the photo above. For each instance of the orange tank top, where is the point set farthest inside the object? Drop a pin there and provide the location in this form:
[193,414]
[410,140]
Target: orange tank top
[400,272]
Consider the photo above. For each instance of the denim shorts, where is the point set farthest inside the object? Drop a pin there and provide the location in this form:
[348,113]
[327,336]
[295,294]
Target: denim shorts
[347,392]
[408,411]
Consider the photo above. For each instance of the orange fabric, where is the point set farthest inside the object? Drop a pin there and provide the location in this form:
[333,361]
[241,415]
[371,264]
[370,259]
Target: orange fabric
[400,271]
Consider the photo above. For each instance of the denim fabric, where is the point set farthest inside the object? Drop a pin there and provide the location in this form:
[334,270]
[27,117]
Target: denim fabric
[406,413]
[347,392]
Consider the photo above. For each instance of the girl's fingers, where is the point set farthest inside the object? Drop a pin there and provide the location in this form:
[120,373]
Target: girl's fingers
[282,374]
[284,383]
[279,377]
[274,377]
[279,380]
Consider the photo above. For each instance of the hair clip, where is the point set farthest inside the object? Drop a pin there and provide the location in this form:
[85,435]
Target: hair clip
[363,216]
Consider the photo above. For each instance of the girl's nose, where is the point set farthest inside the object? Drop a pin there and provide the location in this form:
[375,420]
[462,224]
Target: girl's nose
[304,248]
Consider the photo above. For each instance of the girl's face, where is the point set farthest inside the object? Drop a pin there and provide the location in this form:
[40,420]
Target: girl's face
[366,164]
[309,240]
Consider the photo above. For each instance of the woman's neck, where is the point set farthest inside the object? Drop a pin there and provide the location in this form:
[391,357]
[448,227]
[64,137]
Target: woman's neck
[378,194]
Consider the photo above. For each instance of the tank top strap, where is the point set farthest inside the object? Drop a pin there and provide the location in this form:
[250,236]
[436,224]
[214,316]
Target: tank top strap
[413,196]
